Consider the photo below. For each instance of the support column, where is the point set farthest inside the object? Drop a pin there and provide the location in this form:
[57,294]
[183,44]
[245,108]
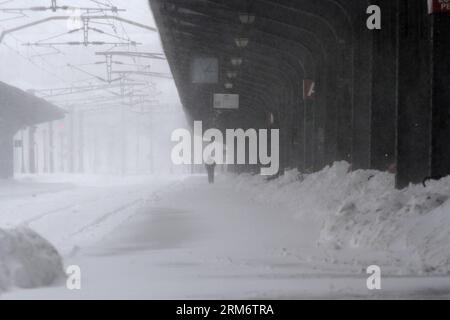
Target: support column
[6,155]
[362,98]
[22,153]
[344,123]
[440,160]
[309,135]
[81,142]
[62,152]
[384,89]
[320,107]
[51,149]
[72,140]
[331,126]
[414,94]
[45,151]
[343,101]
[32,149]
[280,123]
[298,137]
[123,141]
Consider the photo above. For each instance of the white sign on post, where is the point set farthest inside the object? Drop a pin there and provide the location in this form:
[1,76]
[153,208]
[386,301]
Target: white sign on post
[226,101]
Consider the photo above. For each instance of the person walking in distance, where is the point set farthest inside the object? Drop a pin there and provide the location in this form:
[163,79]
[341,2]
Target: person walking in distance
[210,165]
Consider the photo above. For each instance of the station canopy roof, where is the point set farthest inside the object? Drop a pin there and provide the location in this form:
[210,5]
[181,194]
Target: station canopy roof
[19,108]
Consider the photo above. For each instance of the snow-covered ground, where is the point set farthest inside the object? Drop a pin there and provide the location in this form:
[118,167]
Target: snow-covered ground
[67,211]
[294,237]
[361,211]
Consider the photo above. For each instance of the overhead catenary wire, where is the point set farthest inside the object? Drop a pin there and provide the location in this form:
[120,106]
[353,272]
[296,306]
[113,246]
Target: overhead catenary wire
[54,7]
[112,19]
[34,63]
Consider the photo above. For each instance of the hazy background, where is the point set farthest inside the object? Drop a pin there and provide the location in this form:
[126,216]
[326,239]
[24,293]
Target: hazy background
[98,132]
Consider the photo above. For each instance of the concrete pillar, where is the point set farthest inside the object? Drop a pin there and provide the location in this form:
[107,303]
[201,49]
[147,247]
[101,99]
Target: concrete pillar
[45,151]
[298,142]
[32,149]
[6,154]
[344,102]
[309,135]
[331,124]
[362,87]
[344,123]
[384,89]
[51,149]
[414,93]
[81,142]
[440,100]
[62,152]
[320,107]
[123,140]
[72,140]
[22,153]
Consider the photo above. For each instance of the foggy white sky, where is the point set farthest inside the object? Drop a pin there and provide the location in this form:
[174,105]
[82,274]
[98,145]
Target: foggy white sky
[44,67]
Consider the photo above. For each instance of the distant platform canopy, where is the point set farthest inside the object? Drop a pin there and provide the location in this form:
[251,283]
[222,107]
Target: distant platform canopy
[361,81]
[21,109]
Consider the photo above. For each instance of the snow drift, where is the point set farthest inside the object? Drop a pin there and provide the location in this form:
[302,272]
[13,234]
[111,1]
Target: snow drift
[363,210]
[27,260]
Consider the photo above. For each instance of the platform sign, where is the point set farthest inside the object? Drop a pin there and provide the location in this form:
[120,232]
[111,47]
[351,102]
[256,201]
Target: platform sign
[438,6]
[309,89]
[226,101]
[205,70]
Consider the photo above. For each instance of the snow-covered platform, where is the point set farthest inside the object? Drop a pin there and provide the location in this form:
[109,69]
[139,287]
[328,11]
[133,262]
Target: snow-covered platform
[242,238]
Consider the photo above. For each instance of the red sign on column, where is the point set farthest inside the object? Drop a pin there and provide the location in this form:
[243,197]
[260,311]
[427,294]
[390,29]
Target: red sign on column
[438,6]
[309,89]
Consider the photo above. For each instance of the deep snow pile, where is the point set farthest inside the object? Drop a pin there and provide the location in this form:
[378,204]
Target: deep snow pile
[363,210]
[27,260]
